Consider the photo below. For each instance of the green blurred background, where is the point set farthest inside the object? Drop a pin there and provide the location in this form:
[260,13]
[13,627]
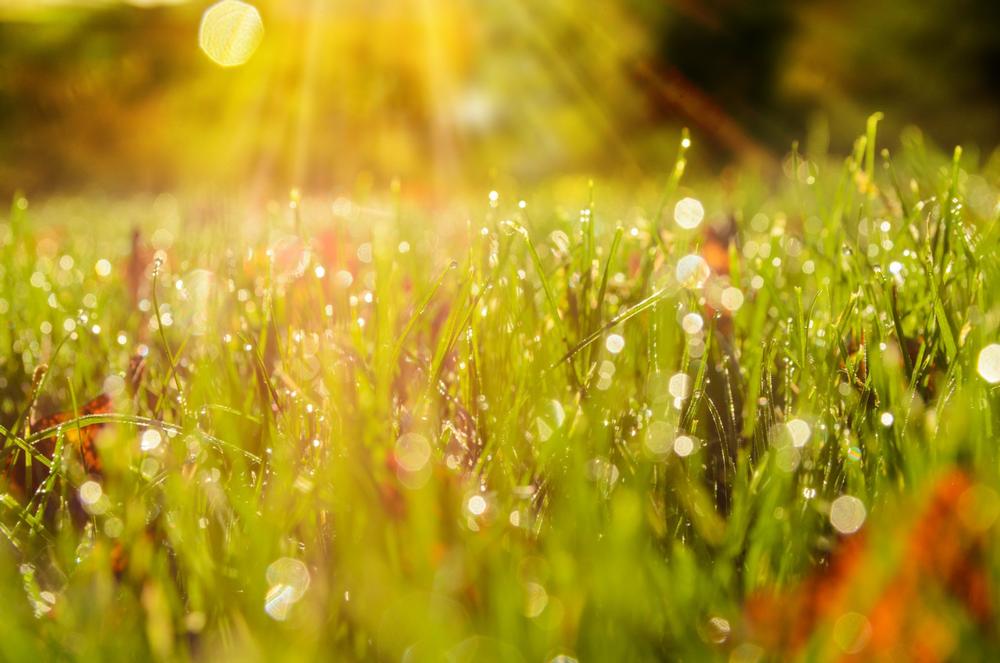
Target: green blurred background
[116,97]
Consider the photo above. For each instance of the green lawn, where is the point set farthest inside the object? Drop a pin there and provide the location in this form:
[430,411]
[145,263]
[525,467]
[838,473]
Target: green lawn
[503,430]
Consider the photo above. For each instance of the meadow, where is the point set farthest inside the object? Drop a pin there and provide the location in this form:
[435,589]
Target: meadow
[744,417]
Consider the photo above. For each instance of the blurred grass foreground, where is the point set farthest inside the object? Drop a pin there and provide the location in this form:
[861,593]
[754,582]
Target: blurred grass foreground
[425,331]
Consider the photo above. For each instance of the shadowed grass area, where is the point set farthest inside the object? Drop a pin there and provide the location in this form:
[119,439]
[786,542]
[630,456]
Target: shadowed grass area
[532,425]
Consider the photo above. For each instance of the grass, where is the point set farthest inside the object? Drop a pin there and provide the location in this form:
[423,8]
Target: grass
[387,433]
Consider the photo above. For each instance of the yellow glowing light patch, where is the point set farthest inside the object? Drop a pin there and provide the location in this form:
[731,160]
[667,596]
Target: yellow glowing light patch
[230,32]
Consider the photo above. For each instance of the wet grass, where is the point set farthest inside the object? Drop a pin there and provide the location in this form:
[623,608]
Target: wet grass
[505,431]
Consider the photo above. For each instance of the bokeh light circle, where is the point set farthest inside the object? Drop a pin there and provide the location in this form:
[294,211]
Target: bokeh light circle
[988,363]
[847,514]
[688,213]
[230,32]
[692,271]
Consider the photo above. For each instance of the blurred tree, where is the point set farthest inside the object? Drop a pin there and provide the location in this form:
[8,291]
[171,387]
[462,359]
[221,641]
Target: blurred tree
[734,51]
[771,64]
[935,64]
[79,96]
